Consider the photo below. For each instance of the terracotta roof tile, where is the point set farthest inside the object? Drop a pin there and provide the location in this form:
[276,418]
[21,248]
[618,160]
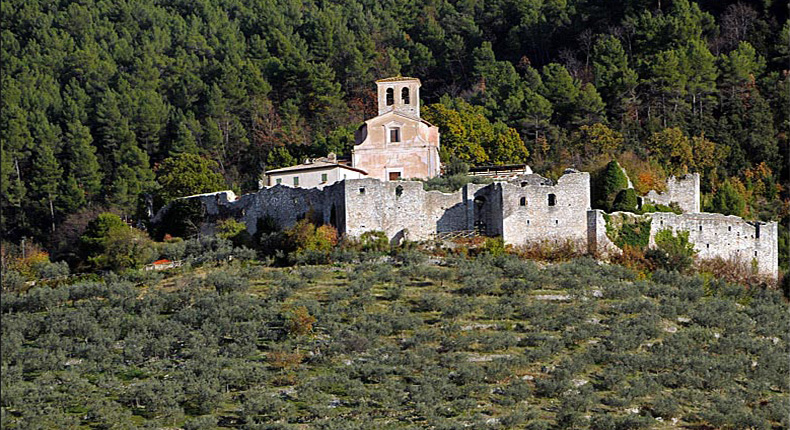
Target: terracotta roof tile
[397,79]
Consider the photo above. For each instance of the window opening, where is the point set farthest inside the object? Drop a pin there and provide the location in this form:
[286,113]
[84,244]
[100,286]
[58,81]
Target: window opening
[552,200]
[395,135]
[523,201]
[362,190]
[279,181]
[296,181]
[757,231]
[394,176]
[404,95]
[390,97]
[323,177]
[398,191]
[700,228]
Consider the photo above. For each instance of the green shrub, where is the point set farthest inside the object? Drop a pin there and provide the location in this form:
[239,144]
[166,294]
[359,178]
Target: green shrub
[628,230]
[374,241]
[234,231]
[626,200]
[182,219]
[657,207]
[13,281]
[494,246]
[226,282]
[453,183]
[609,183]
[672,252]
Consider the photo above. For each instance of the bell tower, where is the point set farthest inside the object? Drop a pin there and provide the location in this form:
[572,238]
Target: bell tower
[399,94]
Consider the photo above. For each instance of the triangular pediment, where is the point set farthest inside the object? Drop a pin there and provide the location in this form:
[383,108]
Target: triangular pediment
[392,117]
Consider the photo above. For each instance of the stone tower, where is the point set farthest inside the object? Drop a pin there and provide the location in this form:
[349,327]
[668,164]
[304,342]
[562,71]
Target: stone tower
[399,94]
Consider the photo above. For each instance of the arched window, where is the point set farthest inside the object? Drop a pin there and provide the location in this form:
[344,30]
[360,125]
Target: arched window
[552,200]
[390,96]
[404,96]
[523,201]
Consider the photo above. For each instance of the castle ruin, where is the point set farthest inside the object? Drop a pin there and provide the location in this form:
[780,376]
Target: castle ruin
[523,210]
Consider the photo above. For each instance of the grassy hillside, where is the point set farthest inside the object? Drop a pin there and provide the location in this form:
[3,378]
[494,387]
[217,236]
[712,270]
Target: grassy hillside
[487,342]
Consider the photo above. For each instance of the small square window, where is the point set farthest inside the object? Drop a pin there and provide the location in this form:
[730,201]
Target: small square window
[324,177]
[395,135]
[296,181]
[362,190]
[279,181]
[394,176]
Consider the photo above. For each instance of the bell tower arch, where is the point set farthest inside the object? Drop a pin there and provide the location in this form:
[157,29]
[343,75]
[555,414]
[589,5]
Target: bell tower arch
[399,94]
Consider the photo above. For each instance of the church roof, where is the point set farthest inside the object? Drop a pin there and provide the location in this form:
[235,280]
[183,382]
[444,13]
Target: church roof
[398,79]
[400,114]
[314,165]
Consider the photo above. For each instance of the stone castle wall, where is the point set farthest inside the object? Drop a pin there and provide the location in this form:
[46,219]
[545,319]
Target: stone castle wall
[530,216]
[520,211]
[283,205]
[598,243]
[727,237]
[403,210]
[682,190]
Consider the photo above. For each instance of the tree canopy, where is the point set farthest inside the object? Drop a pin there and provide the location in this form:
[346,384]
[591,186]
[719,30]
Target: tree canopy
[97,95]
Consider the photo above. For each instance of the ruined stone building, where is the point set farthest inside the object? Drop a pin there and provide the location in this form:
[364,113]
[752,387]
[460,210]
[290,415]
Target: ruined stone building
[523,210]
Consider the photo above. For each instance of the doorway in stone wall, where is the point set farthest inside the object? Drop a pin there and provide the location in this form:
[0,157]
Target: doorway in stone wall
[333,217]
[480,219]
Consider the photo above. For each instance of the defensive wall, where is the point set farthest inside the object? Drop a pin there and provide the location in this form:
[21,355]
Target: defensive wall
[536,209]
[725,236]
[526,210]
[683,190]
[403,210]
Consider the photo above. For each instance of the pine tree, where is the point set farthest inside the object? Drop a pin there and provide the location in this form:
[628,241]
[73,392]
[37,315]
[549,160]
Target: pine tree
[133,176]
[589,108]
[81,163]
[150,119]
[613,76]
[186,175]
[561,90]
[46,177]
[109,128]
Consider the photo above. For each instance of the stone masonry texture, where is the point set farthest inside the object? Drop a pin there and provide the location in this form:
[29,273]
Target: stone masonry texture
[524,211]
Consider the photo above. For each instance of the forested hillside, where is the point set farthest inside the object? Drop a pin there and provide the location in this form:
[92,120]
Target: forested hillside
[96,95]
